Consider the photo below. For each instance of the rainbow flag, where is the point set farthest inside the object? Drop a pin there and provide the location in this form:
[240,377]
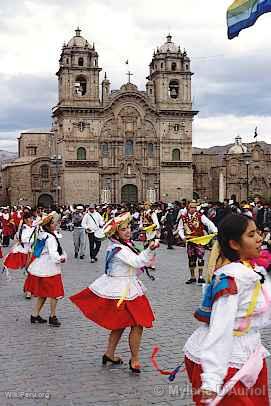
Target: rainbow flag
[244,13]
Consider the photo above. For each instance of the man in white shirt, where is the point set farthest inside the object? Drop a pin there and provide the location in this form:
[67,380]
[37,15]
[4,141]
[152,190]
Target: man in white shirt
[93,221]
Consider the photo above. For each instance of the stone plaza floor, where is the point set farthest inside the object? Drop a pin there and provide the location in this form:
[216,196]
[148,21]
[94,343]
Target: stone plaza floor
[42,365]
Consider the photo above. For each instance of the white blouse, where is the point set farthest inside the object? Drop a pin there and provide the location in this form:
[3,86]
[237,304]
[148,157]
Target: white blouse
[25,239]
[214,346]
[123,275]
[49,263]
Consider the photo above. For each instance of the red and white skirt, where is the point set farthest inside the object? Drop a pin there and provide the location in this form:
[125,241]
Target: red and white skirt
[239,395]
[15,260]
[105,313]
[47,286]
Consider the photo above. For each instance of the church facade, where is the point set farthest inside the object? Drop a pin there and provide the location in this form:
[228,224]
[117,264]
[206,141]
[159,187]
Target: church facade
[113,146]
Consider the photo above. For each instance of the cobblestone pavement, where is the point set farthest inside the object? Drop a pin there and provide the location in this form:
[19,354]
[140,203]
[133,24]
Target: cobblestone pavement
[62,366]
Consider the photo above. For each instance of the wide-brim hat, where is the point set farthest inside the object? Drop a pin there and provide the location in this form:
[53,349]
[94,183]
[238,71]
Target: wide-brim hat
[51,217]
[79,207]
[114,224]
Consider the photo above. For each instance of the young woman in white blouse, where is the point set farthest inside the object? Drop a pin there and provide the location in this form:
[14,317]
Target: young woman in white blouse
[44,273]
[117,300]
[224,357]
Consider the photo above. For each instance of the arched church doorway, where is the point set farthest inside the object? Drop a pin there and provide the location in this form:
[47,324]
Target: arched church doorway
[129,194]
[45,200]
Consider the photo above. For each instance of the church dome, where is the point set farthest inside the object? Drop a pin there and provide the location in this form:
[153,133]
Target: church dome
[77,40]
[169,46]
[238,147]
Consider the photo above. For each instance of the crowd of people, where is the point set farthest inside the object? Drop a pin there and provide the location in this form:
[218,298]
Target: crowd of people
[225,353]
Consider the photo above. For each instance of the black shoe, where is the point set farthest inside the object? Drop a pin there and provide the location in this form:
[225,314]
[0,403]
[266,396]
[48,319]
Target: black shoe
[201,281]
[117,361]
[53,321]
[95,259]
[76,255]
[134,370]
[170,248]
[82,256]
[37,319]
[92,260]
[191,280]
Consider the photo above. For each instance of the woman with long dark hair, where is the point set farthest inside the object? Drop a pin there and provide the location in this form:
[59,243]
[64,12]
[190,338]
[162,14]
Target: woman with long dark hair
[117,299]
[44,273]
[225,359]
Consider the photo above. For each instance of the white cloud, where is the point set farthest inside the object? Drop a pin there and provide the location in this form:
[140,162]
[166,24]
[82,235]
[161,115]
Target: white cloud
[231,77]
[222,130]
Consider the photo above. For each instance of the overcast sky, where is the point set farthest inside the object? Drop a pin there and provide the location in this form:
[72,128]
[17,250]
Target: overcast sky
[231,82]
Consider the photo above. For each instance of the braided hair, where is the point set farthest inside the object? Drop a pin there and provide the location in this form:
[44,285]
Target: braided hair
[46,228]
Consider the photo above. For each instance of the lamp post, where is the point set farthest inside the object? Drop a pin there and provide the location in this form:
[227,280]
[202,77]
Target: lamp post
[247,165]
[57,161]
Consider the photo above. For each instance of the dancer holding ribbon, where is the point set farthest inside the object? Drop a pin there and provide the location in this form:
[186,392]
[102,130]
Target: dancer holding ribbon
[224,357]
[191,225]
[117,300]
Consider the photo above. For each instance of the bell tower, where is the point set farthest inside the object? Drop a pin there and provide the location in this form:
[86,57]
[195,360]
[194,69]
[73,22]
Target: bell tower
[170,77]
[78,74]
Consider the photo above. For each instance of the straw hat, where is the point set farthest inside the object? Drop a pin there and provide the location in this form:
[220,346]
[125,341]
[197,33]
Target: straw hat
[114,224]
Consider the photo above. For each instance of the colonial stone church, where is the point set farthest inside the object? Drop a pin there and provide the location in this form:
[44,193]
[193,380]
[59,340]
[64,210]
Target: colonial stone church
[110,145]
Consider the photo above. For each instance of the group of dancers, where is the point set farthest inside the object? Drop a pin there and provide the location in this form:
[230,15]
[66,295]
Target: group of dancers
[224,358]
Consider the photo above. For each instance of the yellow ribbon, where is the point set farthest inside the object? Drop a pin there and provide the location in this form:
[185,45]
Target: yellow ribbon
[152,227]
[126,290]
[204,240]
[251,307]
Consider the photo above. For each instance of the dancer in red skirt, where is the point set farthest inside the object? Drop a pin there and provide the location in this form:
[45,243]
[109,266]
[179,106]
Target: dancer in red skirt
[20,253]
[117,299]
[225,359]
[44,273]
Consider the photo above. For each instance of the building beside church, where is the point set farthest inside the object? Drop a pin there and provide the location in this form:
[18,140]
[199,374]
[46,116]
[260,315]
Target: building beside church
[109,146]
[244,170]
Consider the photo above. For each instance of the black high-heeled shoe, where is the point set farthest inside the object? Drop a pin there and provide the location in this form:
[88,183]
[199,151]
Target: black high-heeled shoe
[113,361]
[134,370]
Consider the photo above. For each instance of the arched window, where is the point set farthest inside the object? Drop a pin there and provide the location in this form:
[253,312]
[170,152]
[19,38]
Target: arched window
[80,86]
[129,148]
[173,66]
[162,65]
[81,61]
[150,150]
[44,171]
[104,148]
[81,154]
[176,155]
[174,89]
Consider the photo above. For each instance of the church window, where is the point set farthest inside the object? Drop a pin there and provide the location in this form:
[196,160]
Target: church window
[129,148]
[176,127]
[150,91]
[67,60]
[104,148]
[32,151]
[162,65]
[81,61]
[44,171]
[81,154]
[150,150]
[174,89]
[187,66]
[173,66]
[95,62]
[80,86]
[176,155]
